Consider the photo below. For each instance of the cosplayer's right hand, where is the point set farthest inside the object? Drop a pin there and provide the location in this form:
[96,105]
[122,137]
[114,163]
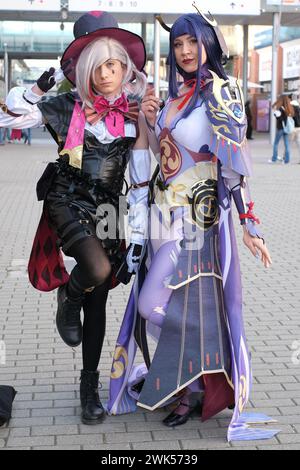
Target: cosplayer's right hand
[46,80]
[150,106]
[257,247]
[49,78]
[133,257]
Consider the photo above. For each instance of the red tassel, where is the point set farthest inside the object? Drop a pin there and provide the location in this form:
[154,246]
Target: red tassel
[189,93]
[249,214]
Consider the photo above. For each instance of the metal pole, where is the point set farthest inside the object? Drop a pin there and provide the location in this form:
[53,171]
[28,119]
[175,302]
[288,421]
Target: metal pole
[156,56]
[144,32]
[245,61]
[10,72]
[276,32]
[32,39]
[6,71]
[62,42]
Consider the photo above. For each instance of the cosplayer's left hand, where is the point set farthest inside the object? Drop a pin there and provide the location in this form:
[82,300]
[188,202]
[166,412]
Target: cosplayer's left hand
[130,264]
[258,248]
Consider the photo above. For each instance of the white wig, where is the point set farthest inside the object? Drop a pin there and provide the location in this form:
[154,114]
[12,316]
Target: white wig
[97,53]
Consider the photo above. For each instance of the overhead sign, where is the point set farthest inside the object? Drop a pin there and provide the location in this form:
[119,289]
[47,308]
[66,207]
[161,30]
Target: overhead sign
[217,7]
[284,3]
[291,61]
[265,64]
[31,5]
[291,3]
[265,38]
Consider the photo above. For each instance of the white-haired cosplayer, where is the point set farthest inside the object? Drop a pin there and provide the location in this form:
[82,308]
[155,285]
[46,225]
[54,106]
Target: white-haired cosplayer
[98,131]
[96,54]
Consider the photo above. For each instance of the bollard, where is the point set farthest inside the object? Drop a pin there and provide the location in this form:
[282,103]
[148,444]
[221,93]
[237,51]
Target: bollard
[2,353]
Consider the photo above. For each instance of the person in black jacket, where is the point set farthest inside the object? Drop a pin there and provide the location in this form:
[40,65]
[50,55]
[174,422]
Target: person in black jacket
[296,133]
[283,109]
[249,120]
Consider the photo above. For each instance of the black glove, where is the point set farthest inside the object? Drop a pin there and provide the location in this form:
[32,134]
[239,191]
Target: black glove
[130,264]
[46,80]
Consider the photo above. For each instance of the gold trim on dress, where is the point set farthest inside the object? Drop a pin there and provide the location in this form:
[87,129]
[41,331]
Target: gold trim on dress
[218,84]
[178,192]
[75,156]
[227,139]
[118,367]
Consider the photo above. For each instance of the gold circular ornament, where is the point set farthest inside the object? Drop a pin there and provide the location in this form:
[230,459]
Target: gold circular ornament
[242,393]
[204,204]
[118,366]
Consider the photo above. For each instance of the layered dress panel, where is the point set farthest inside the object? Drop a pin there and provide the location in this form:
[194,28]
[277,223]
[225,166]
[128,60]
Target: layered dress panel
[183,292]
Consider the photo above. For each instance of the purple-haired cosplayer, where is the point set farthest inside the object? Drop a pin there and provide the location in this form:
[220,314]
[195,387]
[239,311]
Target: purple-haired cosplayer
[188,292]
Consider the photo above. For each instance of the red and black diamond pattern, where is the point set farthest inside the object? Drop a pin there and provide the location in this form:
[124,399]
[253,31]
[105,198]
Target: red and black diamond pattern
[46,267]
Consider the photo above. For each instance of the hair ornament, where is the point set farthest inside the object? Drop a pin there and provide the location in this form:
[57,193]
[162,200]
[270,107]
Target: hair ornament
[162,23]
[207,17]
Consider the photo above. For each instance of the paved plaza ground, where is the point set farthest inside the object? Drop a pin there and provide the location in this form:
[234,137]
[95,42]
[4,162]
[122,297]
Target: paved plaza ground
[46,412]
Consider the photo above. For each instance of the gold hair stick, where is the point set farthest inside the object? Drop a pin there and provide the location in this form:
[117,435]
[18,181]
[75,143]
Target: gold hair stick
[162,23]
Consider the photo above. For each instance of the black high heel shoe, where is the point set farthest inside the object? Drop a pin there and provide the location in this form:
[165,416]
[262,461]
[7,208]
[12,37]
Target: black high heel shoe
[174,419]
[138,387]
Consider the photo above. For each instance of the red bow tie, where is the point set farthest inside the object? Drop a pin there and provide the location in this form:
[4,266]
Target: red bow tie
[114,113]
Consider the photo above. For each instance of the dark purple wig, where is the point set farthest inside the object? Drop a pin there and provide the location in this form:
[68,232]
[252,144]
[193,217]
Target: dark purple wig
[196,26]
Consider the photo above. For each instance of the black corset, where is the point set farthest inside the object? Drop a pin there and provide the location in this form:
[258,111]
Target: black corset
[106,162]
[103,165]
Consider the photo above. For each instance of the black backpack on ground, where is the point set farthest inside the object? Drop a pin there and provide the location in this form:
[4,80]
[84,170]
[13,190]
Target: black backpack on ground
[7,395]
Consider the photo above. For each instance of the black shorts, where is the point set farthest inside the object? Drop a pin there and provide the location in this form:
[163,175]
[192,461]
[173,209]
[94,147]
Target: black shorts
[74,220]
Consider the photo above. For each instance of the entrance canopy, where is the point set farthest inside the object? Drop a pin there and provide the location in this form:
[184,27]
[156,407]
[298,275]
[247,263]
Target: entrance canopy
[227,12]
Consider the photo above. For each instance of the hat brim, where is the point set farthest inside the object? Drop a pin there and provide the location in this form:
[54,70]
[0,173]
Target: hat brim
[131,42]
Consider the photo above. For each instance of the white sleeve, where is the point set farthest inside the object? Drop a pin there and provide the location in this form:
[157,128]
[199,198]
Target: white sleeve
[231,177]
[23,102]
[139,172]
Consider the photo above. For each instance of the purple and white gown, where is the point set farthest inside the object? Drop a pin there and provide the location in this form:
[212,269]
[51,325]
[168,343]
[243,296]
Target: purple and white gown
[183,249]
[191,292]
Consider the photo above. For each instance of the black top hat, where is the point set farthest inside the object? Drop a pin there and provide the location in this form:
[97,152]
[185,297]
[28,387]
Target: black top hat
[98,24]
